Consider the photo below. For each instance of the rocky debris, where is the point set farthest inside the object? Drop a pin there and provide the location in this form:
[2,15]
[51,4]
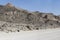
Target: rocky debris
[15,27]
[14,19]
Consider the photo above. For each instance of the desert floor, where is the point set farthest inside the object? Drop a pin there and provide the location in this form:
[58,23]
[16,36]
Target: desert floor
[49,34]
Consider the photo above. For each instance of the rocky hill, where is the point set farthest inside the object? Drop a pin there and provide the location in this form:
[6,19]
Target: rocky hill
[14,19]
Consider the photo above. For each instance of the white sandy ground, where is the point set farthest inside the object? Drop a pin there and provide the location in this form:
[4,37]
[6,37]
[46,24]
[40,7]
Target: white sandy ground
[49,34]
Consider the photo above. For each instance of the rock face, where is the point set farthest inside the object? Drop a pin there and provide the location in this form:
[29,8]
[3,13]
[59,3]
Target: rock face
[14,19]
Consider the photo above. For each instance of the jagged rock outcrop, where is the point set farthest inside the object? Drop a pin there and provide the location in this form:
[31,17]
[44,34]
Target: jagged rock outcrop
[14,19]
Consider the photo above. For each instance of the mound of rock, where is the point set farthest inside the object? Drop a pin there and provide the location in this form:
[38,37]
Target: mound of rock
[14,19]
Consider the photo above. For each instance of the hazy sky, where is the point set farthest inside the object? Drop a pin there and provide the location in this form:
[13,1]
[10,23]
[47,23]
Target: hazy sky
[52,6]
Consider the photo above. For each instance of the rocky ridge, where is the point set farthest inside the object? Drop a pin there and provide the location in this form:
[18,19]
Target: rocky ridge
[13,19]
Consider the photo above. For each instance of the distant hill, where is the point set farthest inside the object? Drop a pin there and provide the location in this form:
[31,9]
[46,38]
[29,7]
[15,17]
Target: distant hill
[16,19]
